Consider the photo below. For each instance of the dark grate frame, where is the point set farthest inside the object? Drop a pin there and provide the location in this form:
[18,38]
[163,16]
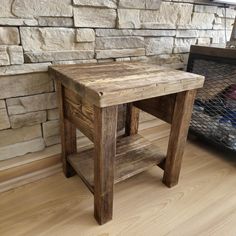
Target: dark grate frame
[203,125]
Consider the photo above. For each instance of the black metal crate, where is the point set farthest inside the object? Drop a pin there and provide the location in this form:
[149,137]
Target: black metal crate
[214,113]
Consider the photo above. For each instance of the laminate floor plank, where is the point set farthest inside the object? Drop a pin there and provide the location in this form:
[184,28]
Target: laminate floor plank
[203,203]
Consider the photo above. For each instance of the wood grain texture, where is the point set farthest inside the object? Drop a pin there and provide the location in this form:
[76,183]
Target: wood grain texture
[22,170]
[134,155]
[178,135]
[160,107]
[105,127]
[28,168]
[68,133]
[116,83]
[30,177]
[78,112]
[85,108]
[203,203]
[132,120]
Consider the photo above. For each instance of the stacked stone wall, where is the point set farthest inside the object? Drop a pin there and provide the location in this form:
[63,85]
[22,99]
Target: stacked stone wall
[38,33]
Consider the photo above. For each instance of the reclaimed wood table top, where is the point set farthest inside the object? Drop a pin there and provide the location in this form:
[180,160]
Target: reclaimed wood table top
[114,83]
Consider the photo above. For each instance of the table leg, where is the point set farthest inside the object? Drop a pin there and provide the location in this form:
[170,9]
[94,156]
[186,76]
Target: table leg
[105,125]
[68,134]
[178,135]
[132,120]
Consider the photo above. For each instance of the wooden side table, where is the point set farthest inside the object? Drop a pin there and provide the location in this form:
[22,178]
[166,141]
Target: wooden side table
[89,95]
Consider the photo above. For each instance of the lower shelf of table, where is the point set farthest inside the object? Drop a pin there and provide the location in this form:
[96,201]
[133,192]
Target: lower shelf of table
[134,154]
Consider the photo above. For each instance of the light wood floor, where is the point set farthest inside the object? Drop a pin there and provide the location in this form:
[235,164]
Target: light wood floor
[204,202]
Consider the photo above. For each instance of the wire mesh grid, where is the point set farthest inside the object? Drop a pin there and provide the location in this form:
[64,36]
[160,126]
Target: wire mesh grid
[214,113]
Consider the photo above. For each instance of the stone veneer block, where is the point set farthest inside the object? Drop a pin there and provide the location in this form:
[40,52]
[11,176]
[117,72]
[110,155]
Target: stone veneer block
[153,4]
[205,9]
[158,26]
[113,32]
[23,85]
[229,23]
[135,32]
[94,17]
[116,53]
[23,69]
[183,45]
[230,12]
[74,62]
[203,41]
[51,128]
[203,20]
[186,34]
[53,114]
[5,8]
[96,3]
[4,57]
[85,46]
[60,41]
[52,41]
[59,55]
[205,33]
[2,104]
[184,14]
[51,132]
[9,36]
[47,39]
[35,8]
[175,13]
[218,36]
[161,45]
[16,55]
[85,35]
[56,21]
[18,22]
[28,119]
[20,149]
[52,140]
[148,16]
[4,120]
[31,103]
[12,136]
[218,21]
[119,42]
[129,18]
[138,4]
[155,33]
[175,61]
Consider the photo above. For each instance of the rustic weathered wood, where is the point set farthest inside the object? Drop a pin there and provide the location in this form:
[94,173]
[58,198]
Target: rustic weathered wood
[134,154]
[162,164]
[68,133]
[160,107]
[80,113]
[132,120]
[178,135]
[118,83]
[90,100]
[85,108]
[211,51]
[105,126]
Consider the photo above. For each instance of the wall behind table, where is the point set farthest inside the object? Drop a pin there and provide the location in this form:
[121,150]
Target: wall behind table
[35,34]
